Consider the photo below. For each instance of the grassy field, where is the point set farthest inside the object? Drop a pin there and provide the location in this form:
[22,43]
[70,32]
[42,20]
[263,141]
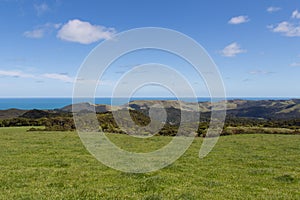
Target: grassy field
[55,165]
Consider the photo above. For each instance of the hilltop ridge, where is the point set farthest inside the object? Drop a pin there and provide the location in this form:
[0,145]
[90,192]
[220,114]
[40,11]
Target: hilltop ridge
[266,109]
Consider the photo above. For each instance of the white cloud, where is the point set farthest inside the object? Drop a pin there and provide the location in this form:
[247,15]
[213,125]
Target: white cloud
[239,20]
[84,32]
[296,14]
[272,9]
[55,26]
[61,77]
[36,33]
[295,64]
[40,31]
[232,50]
[15,73]
[258,72]
[287,29]
[41,8]
[95,81]
[39,77]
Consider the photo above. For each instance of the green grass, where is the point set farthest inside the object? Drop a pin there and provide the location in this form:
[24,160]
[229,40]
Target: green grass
[55,165]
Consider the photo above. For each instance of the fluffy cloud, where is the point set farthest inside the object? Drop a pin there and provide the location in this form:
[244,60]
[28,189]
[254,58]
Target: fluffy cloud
[273,9]
[239,20]
[40,31]
[296,14]
[61,77]
[84,32]
[232,50]
[288,28]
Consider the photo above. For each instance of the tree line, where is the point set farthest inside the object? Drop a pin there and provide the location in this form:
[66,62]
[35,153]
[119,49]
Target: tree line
[108,124]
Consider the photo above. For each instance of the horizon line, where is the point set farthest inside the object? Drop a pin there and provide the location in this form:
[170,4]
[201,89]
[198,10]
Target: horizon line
[67,97]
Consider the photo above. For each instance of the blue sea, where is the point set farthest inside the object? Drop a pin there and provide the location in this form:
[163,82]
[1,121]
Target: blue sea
[54,103]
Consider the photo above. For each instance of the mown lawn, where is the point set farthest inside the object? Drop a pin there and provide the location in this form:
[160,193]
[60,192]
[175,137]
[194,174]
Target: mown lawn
[55,165]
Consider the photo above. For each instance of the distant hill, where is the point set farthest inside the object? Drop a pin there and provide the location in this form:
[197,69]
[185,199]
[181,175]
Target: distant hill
[36,114]
[264,109]
[243,116]
[267,109]
[11,113]
[80,107]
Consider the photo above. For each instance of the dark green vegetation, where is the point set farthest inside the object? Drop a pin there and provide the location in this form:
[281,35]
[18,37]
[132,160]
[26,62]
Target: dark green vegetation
[267,116]
[107,123]
[64,122]
[55,165]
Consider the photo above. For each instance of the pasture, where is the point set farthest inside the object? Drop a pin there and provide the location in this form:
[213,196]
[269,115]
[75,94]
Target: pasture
[55,165]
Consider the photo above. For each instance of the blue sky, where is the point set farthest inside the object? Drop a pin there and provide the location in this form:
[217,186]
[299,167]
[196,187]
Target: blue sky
[255,44]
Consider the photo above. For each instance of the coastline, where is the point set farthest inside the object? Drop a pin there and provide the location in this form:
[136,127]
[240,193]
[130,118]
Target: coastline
[51,103]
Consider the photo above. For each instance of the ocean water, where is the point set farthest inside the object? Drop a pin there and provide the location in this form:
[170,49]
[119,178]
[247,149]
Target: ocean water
[54,103]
